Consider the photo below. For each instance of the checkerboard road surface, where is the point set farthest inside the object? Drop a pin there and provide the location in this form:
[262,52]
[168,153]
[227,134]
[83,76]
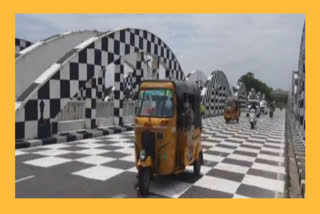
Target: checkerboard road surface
[239,163]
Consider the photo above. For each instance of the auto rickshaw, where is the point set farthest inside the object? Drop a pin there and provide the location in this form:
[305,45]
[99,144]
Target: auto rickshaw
[167,130]
[232,109]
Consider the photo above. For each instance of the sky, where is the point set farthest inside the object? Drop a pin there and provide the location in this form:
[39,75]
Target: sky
[264,44]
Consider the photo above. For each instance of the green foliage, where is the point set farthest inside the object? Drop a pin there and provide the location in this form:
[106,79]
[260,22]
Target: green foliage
[251,82]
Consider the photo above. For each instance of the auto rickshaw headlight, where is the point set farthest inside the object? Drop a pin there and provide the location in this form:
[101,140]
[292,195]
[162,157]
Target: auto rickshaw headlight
[143,154]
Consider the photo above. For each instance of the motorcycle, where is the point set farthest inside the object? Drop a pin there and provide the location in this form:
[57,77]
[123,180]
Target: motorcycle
[252,118]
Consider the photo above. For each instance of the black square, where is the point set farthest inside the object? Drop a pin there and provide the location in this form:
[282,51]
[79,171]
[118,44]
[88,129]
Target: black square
[110,58]
[74,71]
[104,44]
[148,47]
[31,110]
[116,47]
[93,124]
[97,57]
[140,43]
[56,76]
[83,56]
[93,103]
[145,35]
[88,92]
[64,88]
[122,36]
[127,49]
[54,107]
[90,71]
[19,130]
[132,39]
[94,83]
[54,127]
[44,91]
[88,113]
[116,112]
[91,46]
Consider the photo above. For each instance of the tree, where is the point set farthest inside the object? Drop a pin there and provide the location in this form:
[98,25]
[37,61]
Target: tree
[251,82]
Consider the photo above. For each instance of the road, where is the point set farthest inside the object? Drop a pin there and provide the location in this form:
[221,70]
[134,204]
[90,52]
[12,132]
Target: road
[239,163]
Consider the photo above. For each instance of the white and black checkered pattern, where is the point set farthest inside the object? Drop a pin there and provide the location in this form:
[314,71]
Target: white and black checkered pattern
[216,90]
[61,81]
[21,44]
[238,163]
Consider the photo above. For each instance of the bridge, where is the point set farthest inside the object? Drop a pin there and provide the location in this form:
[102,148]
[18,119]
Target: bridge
[73,127]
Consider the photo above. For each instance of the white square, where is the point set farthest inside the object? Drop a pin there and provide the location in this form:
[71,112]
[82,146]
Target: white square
[52,152]
[91,145]
[90,56]
[57,146]
[122,48]
[214,158]
[129,158]
[19,152]
[74,87]
[172,188]
[95,160]
[92,151]
[47,161]
[104,58]
[101,173]
[110,45]
[82,71]
[65,74]
[31,129]
[126,150]
[219,184]
[54,89]
[231,168]
[265,183]
[20,115]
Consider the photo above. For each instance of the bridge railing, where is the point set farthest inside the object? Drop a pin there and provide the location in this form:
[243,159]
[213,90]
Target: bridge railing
[74,110]
[73,114]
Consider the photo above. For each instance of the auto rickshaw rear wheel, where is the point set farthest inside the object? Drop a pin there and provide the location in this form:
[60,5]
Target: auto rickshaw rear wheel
[144,178]
[197,165]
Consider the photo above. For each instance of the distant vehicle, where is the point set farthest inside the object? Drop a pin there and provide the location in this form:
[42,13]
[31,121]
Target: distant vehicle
[263,107]
[256,104]
[232,109]
[252,118]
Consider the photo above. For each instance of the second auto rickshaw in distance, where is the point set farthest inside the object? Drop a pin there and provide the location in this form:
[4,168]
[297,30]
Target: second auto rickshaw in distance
[167,130]
[232,109]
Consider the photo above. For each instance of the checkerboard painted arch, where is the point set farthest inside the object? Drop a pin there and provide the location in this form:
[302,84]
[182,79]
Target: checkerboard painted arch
[63,79]
[216,90]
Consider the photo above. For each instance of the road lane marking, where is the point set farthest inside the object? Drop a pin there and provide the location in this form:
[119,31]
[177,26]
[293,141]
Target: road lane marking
[25,178]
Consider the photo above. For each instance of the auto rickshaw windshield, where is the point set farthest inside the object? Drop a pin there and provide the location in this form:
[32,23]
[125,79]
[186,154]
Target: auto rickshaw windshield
[229,104]
[155,103]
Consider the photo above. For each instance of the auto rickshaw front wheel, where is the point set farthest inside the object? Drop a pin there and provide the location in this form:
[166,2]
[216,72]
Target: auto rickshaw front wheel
[144,178]
[197,165]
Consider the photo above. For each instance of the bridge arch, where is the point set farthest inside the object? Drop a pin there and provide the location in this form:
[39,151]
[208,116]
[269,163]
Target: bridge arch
[197,77]
[40,55]
[38,106]
[214,93]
